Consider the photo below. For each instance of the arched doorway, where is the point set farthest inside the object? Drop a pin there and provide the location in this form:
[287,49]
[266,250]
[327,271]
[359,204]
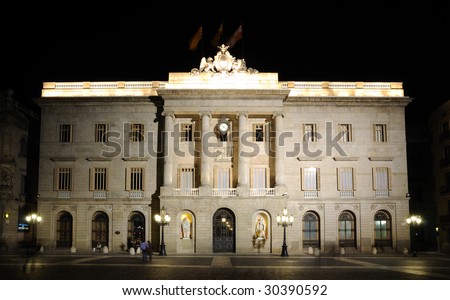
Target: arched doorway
[311,230]
[100,224]
[347,230]
[382,229]
[136,229]
[224,231]
[64,225]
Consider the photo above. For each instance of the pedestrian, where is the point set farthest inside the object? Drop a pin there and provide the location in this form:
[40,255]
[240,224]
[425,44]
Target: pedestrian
[144,247]
[149,250]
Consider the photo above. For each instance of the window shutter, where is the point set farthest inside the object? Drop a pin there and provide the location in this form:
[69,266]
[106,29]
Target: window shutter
[339,184]
[318,178]
[354,178]
[107,179]
[302,179]
[127,179]
[91,178]
[70,180]
[389,174]
[143,178]
[267,178]
[374,179]
[55,179]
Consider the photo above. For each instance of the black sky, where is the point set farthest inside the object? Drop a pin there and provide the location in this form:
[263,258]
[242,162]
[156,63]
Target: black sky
[406,41]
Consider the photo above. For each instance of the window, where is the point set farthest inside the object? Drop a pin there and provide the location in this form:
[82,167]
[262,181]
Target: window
[382,228]
[259,178]
[134,179]
[309,133]
[380,134]
[62,179]
[186,133]
[98,179]
[346,179]
[345,131]
[347,236]
[223,178]
[65,133]
[311,230]
[258,130]
[310,179]
[186,178]
[381,181]
[100,132]
[137,132]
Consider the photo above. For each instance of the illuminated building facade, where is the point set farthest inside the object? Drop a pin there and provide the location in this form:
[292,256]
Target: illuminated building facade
[224,149]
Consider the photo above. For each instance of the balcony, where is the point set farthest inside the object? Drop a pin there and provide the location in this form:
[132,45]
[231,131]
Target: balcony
[64,194]
[136,194]
[311,194]
[262,192]
[224,192]
[382,194]
[185,192]
[347,194]
[99,194]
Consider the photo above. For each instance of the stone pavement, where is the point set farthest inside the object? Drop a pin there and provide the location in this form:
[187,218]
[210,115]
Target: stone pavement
[224,266]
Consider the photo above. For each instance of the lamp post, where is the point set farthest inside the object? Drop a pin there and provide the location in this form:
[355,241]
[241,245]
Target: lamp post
[414,221]
[284,221]
[163,219]
[33,219]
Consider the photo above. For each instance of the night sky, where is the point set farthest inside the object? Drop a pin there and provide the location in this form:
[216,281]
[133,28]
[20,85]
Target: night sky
[406,41]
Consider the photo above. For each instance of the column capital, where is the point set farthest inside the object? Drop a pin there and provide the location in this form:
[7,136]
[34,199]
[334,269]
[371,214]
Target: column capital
[242,114]
[168,113]
[205,114]
[277,114]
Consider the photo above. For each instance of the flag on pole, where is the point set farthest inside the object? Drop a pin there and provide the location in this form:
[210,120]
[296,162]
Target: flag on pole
[237,35]
[193,42]
[217,36]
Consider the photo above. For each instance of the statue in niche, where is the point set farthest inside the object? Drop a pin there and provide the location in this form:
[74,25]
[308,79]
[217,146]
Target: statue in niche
[185,228]
[260,228]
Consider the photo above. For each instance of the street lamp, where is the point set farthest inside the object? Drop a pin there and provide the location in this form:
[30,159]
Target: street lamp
[414,221]
[284,221]
[163,220]
[33,219]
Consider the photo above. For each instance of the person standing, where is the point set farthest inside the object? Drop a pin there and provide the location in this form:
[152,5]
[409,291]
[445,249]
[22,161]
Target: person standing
[144,247]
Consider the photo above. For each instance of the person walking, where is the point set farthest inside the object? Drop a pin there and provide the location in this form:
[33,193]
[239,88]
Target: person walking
[144,252]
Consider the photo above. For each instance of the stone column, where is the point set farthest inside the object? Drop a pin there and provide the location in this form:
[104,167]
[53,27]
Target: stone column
[205,172]
[280,154]
[167,188]
[243,161]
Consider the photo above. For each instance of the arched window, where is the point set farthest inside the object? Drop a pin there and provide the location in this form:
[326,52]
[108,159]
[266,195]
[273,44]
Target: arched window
[64,224]
[382,229]
[347,230]
[311,230]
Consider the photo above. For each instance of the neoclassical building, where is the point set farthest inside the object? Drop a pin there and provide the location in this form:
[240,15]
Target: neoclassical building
[224,149]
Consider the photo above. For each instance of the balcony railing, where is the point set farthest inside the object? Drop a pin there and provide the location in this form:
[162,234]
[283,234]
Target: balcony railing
[64,194]
[99,194]
[382,194]
[185,192]
[224,192]
[136,194]
[262,192]
[346,194]
[311,194]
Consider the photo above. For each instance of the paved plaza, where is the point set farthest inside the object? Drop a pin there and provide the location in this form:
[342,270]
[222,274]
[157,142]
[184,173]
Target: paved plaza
[103,266]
